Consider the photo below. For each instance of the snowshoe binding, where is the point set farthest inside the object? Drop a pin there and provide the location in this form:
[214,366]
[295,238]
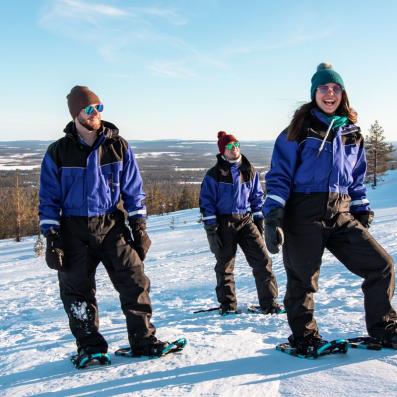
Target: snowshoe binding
[152,348]
[313,347]
[83,360]
[274,309]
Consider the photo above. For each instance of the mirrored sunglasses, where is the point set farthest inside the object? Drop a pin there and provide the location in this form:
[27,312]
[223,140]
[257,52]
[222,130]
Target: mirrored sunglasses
[231,145]
[324,89]
[90,109]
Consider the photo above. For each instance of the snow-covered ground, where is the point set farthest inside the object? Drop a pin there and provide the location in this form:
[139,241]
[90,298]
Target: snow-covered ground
[226,356]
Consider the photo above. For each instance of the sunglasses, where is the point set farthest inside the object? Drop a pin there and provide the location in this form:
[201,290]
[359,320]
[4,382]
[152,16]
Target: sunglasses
[90,109]
[231,145]
[324,89]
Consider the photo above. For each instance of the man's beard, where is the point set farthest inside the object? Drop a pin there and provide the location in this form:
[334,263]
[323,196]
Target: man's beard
[91,124]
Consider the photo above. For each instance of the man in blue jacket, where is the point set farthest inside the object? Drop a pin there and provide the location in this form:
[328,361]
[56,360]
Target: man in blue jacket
[231,201]
[85,176]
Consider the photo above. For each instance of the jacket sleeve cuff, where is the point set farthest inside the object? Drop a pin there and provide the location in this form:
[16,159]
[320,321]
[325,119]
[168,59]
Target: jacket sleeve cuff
[137,213]
[209,219]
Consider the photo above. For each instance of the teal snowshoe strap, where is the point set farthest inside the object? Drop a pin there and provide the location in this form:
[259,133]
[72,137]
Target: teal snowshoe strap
[155,352]
[85,360]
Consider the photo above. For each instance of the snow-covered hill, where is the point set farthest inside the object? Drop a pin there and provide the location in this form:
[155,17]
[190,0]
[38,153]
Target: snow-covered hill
[226,356]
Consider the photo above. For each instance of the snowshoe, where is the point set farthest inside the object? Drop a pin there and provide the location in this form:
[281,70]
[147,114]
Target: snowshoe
[223,311]
[157,349]
[83,360]
[226,311]
[313,349]
[365,342]
[211,309]
[274,309]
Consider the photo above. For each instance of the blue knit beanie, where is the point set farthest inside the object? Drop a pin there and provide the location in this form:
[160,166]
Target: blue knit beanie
[324,75]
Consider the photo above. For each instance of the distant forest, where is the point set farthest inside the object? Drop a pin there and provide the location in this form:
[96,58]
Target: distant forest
[19,197]
[171,181]
[172,172]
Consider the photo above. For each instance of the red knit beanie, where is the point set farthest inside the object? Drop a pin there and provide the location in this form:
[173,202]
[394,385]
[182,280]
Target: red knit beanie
[79,98]
[224,139]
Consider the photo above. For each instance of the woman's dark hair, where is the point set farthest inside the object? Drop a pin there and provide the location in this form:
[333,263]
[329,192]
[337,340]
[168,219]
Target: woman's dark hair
[294,130]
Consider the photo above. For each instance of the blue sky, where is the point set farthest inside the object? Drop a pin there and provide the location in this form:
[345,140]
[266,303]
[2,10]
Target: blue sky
[186,69]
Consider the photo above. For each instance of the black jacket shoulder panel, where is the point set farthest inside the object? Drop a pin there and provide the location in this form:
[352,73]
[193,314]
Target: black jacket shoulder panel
[247,169]
[314,128]
[112,150]
[68,152]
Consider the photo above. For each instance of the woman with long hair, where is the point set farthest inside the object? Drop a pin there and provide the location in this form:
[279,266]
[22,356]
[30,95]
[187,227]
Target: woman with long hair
[316,199]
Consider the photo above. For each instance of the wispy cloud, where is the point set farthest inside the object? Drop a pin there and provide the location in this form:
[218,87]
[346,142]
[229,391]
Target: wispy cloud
[186,66]
[78,7]
[109,28]
[152,37]
[174,69]
[169,15]
[114,31]
[294,39]
[61,10]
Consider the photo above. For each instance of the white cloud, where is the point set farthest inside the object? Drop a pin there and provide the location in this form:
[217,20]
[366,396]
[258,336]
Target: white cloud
[77,7]
[169,15]
[111,29]
[174,69]
[296,38]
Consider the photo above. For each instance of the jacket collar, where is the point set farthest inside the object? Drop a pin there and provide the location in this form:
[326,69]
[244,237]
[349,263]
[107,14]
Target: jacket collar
[244,164]
[109,130]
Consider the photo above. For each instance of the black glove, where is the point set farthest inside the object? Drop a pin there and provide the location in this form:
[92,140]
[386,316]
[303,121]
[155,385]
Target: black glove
[214,239]
[365,218]
[54,253]
[274,235]
[142,241]
[260,224]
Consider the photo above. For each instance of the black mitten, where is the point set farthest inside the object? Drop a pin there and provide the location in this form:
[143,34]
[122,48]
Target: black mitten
[213,237]
[54,253]
[274,235]
[365,218]
[142,241]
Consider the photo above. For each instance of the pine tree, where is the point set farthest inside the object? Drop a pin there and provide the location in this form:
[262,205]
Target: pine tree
[377,153]
[17,208]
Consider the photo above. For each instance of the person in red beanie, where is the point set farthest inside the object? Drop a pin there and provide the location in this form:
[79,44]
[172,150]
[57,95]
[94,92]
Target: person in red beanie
[231,200]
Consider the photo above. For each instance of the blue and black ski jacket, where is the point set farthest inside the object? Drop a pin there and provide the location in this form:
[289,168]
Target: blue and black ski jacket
[78,180]
[230,188]
[317,162]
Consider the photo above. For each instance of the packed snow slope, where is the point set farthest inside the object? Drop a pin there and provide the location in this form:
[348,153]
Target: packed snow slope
[226,356]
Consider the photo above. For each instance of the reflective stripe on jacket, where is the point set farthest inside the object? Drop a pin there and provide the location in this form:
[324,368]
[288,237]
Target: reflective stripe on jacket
[300,166]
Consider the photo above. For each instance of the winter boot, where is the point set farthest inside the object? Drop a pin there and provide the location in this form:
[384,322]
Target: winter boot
[274,308]
[307,345]
[386,333]
[151,347]
[225,310]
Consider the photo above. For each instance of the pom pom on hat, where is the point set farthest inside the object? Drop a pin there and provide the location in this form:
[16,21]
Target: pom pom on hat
[323,66]
[223,139]
[325,74]
[221,134]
